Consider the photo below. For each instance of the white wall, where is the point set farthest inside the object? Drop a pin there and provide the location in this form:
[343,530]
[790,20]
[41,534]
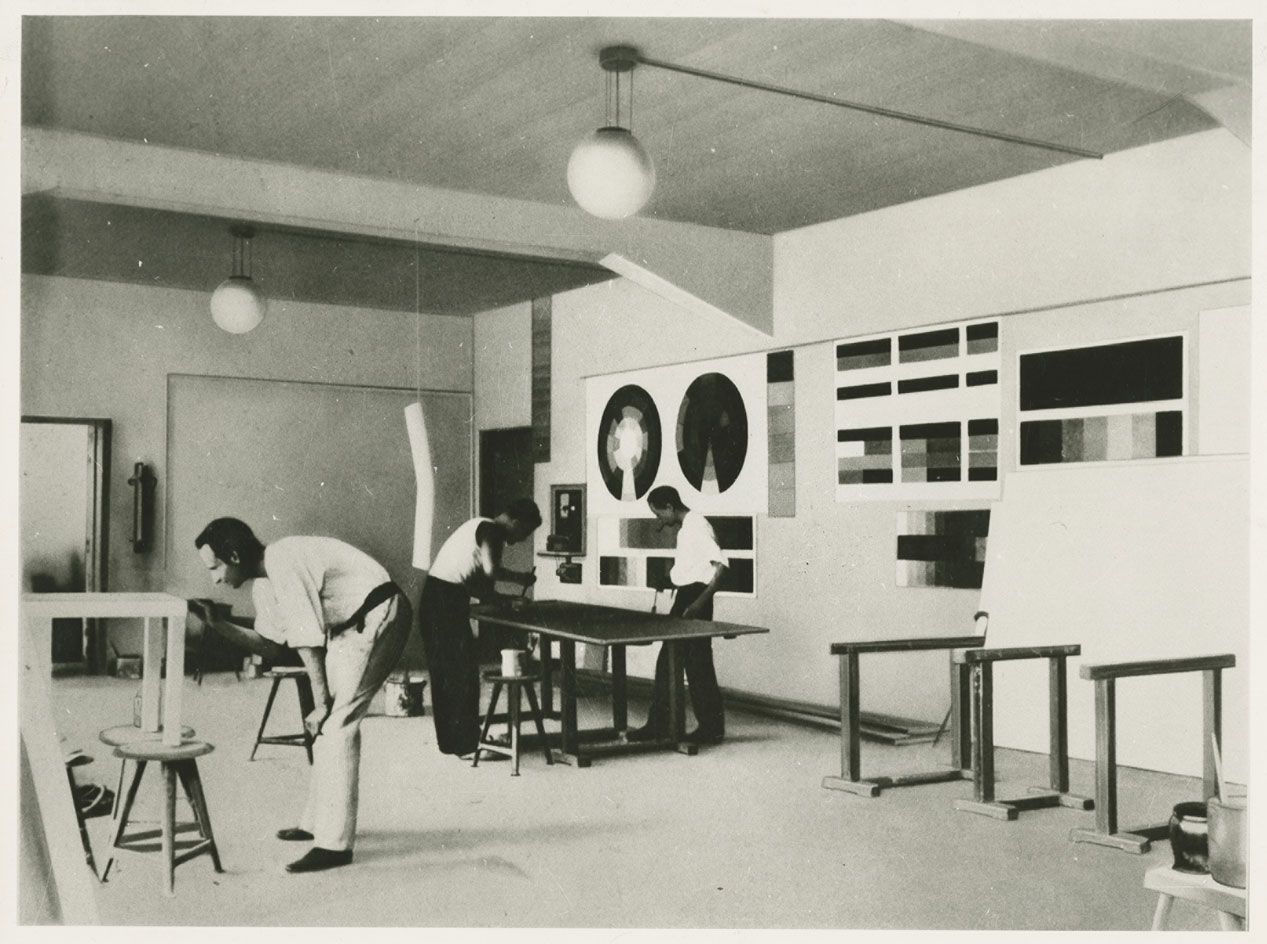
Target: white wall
[1143,221]
[503,367]
[104,349]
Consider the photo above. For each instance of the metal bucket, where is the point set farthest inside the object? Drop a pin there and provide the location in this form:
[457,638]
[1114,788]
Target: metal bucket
[403,693]
[1228,841]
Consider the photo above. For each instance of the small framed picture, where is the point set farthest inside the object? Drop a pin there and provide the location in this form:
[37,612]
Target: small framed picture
[567,520]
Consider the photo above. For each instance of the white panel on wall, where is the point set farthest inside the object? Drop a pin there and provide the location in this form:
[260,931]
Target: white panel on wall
[660,409]
[1223,381]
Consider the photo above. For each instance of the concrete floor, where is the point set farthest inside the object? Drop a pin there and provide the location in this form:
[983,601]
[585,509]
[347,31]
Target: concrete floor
[740,836]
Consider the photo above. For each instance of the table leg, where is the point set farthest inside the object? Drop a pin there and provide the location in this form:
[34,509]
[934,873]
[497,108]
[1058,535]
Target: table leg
[1058,721]
[961,714]
[567,695]
[1164,902]
[1106,755]
[175,632]
[983,732]
[850,720]
[1213,725]
[677,698]
[151,677]
[620,690]
[547,675]
[169,827]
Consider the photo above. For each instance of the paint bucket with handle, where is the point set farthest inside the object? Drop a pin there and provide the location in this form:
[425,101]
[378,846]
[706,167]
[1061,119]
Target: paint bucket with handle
[403,695]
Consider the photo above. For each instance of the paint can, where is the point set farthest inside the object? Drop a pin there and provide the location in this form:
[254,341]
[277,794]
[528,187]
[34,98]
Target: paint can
[1228,841]
[403,695]
[512,661]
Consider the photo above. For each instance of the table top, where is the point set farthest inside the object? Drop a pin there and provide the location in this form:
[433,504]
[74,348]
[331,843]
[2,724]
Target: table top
[1199,888]
[605,625]
[104,604]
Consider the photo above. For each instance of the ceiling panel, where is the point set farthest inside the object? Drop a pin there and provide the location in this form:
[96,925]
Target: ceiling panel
[82,239]
[494,105]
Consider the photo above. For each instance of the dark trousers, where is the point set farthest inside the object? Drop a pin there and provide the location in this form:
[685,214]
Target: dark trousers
[444,619]
[701,676]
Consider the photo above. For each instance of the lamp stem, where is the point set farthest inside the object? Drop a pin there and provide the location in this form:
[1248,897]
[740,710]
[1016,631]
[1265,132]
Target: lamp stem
[856,106]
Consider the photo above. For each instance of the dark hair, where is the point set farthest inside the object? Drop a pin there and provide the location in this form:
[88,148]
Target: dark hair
[525,511]
[229,536]
[665,496]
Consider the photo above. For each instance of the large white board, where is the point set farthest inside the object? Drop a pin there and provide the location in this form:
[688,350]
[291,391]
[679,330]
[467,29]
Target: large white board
[309,458]
[1135,560]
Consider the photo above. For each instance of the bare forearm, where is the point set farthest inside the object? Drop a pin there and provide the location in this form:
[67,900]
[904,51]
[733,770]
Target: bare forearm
[314,660]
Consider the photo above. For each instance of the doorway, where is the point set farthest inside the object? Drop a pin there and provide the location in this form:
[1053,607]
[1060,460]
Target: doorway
[63,507]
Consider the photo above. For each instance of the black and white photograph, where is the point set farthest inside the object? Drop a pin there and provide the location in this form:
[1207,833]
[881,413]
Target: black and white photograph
[586,470]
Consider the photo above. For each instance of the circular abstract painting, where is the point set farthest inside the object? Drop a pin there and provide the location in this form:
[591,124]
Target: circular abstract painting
[629,443]
[712,433]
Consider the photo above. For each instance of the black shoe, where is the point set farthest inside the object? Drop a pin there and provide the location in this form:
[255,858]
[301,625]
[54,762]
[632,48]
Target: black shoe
[646,733]
[294,834]
[317,859]
[704,736]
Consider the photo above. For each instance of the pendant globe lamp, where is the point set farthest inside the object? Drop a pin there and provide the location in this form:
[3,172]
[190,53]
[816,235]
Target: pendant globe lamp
[238,304]
[610,173]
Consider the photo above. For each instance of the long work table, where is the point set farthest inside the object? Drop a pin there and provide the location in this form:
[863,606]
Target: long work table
[567,623]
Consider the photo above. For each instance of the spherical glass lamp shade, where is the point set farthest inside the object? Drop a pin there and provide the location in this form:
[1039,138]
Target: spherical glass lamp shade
[237,304]
[610,175]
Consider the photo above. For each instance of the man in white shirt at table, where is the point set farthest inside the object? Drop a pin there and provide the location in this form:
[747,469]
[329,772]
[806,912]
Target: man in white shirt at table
[699,565]
[338,608]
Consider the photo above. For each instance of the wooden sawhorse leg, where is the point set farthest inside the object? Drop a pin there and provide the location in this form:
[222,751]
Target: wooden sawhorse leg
[984,801]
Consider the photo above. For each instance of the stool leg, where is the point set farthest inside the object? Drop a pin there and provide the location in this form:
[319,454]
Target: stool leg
[513,697]
[1164,902]
[118,792]
[192,783]
[169,827]
[121,821]
[536,717]
[268,707]
[488,721]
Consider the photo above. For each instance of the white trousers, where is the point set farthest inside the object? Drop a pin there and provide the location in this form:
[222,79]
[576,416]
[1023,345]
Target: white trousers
[357,664]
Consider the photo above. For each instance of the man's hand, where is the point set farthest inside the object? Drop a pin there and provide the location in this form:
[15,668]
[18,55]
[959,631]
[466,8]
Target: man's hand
[312,723]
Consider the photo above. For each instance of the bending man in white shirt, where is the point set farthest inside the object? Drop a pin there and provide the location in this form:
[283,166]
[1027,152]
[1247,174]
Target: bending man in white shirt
[338,608]
[698,567]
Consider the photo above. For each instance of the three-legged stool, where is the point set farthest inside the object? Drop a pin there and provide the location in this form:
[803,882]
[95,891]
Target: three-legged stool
[513,684]
[303,687]
[122,734]
[981,680]
[177,762]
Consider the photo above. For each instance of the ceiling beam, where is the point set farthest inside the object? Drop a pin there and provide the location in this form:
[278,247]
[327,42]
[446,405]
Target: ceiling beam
[727,270]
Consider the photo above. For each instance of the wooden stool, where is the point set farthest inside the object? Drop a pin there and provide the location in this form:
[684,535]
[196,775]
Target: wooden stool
[122,734]
[1227,902]
[178,762]
[514,684]
[303,687]
[981,668]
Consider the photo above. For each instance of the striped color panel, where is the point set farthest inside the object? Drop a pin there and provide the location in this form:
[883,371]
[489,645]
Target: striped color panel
[942,548]
[864,456]
[931,452]
[781,406]
[928,345]
[983,450]
[541,312]
[1102,438]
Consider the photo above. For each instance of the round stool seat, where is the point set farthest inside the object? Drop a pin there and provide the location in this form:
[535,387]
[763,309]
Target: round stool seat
[495,675]
[159,752]
[130,734]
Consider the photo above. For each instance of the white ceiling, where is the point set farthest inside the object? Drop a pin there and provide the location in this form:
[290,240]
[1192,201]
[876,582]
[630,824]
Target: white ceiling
[493,105]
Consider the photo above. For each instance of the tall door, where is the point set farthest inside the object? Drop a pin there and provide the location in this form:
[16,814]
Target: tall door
[506,473]
[61,511]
